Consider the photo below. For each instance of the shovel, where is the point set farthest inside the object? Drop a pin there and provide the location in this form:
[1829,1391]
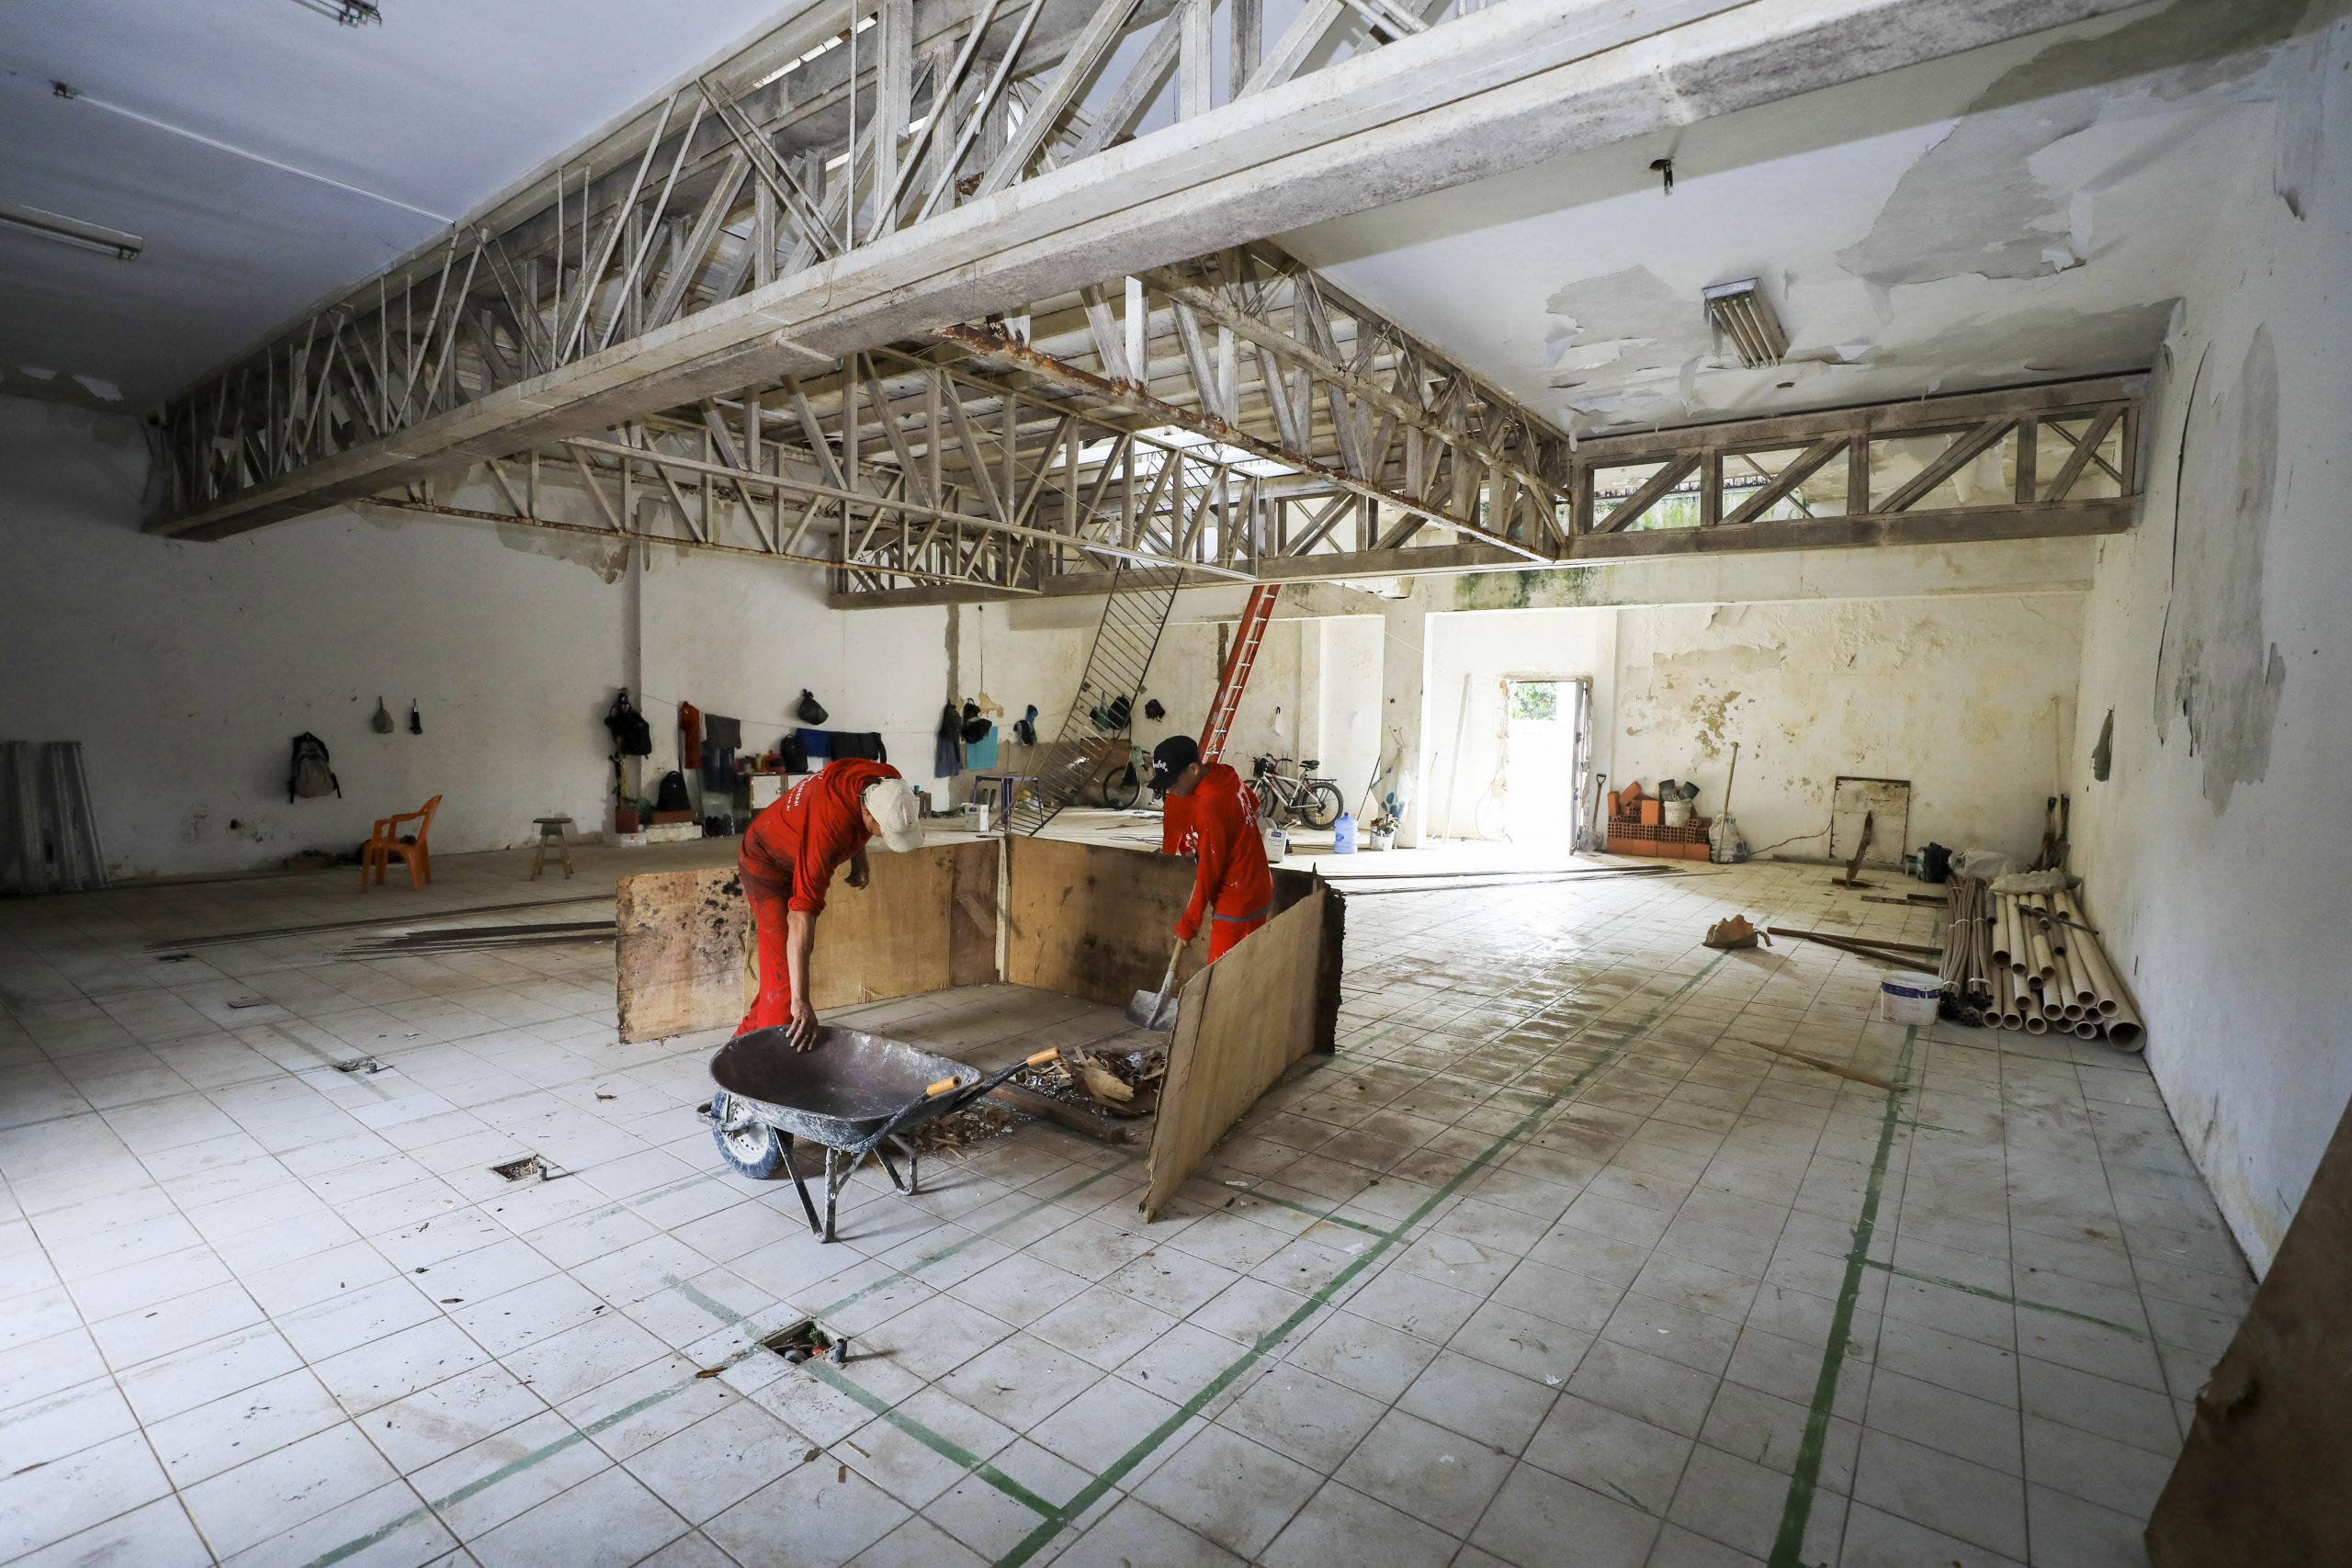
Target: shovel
[1157,1010]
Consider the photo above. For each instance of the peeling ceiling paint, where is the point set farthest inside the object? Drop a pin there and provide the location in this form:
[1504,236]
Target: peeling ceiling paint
[2018,213]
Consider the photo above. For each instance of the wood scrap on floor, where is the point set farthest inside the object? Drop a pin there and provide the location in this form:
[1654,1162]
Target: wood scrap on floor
[1854,867]
[1853,1073]
[1879,952]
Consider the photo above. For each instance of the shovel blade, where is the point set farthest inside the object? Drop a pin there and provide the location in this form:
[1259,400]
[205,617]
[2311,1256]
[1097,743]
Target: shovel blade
[1154,1011]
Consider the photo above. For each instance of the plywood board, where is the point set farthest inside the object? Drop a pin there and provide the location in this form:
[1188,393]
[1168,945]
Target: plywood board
[1097,920]
[1239,1025]
[2260,1478]
[683,937]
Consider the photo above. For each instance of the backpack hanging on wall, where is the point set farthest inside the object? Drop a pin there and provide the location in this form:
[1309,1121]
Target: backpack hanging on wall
[810,710]
[632,737]
[311,776]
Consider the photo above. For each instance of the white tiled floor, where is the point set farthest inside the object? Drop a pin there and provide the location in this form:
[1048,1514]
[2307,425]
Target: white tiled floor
[1546,1266]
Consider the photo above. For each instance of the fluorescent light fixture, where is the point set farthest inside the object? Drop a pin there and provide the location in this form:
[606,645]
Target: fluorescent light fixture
[71,230]
[1743,316]
[350,12]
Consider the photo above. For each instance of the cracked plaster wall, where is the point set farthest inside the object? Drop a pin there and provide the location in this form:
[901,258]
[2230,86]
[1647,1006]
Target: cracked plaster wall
[2218,851]
[1971,698]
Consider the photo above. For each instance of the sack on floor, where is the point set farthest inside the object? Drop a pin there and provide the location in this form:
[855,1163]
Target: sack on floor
[311,776]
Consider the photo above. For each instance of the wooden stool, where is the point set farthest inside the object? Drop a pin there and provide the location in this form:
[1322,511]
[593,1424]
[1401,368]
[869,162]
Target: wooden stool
[551,830]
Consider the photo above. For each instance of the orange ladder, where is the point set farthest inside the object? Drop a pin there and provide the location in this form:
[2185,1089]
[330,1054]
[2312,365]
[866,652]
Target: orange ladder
[1176,819]
[1238,662]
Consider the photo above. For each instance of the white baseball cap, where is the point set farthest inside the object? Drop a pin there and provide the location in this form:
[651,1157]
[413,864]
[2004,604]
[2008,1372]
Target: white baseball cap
[896,813]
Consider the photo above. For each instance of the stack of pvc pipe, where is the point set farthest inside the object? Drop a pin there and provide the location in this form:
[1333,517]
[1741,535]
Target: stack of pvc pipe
[1967,949]
[2050,974]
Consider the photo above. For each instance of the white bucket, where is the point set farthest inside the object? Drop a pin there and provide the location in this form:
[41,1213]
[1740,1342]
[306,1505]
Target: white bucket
[1675,813]
[1909,997]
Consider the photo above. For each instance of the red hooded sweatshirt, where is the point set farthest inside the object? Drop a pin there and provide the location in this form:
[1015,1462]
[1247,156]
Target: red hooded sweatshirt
[1233,878]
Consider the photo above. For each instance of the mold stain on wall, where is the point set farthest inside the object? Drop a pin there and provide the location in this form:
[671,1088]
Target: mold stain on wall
[2215,672]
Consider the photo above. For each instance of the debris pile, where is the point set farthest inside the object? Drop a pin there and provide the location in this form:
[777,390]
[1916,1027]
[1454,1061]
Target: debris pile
[1126,1083]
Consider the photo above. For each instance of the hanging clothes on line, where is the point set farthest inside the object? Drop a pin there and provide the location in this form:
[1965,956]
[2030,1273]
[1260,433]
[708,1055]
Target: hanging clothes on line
[689,736]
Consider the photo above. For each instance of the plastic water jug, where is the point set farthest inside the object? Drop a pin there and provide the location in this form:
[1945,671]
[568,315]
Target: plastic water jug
[1343,835]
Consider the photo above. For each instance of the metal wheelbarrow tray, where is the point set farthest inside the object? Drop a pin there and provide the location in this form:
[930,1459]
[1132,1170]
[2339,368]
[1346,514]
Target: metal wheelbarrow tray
[852,1092]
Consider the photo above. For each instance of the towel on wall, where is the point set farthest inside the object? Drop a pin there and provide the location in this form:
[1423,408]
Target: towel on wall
[947,746]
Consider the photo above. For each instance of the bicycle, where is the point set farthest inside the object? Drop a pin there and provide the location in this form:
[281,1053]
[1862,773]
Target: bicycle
[1302,798]
[1122,785]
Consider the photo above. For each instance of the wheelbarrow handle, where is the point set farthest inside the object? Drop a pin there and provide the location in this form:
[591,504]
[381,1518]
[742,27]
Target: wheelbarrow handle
[939,1088]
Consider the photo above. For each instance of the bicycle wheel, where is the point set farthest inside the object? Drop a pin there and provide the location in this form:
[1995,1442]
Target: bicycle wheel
[1120,787]
[1319,804]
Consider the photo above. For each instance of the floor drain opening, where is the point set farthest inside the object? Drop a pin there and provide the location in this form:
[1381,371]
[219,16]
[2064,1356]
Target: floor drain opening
[804,1341]
[360,1065]
[521,1170]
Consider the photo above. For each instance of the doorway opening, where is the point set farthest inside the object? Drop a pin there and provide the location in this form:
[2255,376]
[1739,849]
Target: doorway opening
[1545,754]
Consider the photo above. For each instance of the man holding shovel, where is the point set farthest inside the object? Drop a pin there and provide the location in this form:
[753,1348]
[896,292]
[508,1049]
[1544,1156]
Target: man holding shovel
[787,860]
[1232,884]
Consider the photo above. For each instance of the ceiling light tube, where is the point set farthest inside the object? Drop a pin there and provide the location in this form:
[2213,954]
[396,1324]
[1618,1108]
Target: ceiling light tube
[71,230]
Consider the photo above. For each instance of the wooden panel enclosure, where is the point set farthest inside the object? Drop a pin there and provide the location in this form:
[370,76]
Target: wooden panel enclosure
[1085,921]
[927,922]
[1095,921]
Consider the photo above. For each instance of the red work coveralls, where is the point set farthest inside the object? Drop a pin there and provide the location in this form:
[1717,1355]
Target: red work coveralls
[787,860]
[1233,881]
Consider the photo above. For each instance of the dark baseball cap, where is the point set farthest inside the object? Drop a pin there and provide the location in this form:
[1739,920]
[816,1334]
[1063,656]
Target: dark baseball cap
[1171,756]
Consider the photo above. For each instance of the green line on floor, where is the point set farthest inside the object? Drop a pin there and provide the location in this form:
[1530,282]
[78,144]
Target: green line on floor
[1330,1217]
[546,1451]
[1797,1509]
[2003,1296]
[1092,1491]
[945,1448]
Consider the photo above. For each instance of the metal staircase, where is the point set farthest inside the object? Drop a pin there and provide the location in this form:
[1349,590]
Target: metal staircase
[1239,660]
[1095,733]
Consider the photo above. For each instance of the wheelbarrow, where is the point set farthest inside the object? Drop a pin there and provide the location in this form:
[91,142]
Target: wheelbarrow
[854,1093]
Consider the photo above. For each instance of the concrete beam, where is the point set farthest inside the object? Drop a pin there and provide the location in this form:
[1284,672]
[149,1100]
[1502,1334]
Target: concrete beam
[1501,89]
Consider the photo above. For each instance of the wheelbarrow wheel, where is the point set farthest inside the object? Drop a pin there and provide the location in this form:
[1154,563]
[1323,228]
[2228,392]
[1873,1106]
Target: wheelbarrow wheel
[747,1144]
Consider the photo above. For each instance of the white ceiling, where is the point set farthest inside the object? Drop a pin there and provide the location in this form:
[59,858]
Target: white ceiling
[2022,213]
[425,117]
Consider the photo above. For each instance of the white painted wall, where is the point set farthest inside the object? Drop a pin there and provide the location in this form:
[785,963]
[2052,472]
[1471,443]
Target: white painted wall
[2219,850]
[185,670]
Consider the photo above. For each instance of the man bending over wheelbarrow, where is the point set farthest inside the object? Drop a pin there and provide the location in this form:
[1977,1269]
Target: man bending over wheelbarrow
[787,860]
[1231,883]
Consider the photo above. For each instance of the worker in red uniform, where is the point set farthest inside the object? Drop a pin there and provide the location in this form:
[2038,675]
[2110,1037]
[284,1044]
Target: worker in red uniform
[1232,884]
[787,860]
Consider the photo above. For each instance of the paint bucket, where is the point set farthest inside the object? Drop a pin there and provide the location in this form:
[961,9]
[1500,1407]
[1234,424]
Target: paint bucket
[1676,813]
[1376,839]
[1909,997]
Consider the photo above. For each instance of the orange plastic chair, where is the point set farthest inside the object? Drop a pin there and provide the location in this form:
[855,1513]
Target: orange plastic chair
[385,843]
